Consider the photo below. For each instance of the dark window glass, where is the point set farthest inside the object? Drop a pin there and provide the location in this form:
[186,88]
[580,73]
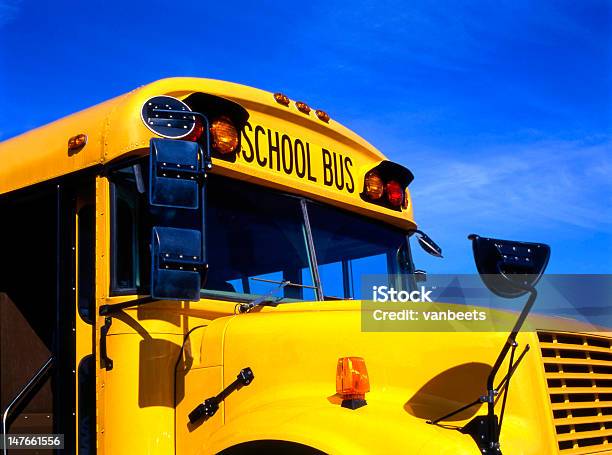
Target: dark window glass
[28,311]
[255,239]
[254,234]
[126,271]
[349,246]
[131,231]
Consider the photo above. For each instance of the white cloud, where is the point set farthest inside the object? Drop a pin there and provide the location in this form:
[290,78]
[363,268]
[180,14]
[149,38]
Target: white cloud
[565,182]
[9,9]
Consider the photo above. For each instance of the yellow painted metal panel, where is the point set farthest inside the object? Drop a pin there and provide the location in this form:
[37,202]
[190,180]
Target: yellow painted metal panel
[197,384]
[581,405]
[599,449]
[578,433]
[139,409]
[568,361]
[575,347]
[579,390]
[102,223]
[589,376]
[581,420]
[584,435]
[115,130]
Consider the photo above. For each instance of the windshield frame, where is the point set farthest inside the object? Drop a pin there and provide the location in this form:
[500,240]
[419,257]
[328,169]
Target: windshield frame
[406,265]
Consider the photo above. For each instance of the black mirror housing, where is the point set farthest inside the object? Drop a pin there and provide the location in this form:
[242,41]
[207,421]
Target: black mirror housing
[178,254]
[176,264]
[509,268]
[176,168]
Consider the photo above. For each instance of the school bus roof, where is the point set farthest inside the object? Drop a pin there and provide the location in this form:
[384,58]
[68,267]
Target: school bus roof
[114,129]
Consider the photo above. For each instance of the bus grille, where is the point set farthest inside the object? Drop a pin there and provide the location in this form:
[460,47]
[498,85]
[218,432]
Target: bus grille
[578,370]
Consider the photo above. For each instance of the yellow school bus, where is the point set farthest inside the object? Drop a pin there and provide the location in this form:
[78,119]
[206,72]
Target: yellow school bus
[180,273]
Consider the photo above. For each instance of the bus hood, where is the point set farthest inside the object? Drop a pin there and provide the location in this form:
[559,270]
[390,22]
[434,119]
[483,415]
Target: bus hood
[293,351]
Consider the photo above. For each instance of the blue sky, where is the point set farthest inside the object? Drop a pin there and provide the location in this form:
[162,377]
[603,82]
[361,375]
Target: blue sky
[501,109]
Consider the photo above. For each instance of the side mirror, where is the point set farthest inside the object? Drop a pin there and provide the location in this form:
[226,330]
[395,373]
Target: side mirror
[176,179]
[176,263]
[175,170]
[428,244]
[509,268]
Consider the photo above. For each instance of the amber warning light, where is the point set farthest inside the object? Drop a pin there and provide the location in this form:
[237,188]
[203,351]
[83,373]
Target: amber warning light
[374,185]
[224,135]
[387,185]
[352,382]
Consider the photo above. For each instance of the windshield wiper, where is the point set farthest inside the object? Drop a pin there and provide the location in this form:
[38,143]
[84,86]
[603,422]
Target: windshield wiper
[269,297]
[288,283]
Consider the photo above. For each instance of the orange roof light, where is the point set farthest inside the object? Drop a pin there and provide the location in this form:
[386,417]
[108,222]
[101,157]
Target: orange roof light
[302,107]
[352,382]
[323,116]
[281,99]
[374,185]
[224,135]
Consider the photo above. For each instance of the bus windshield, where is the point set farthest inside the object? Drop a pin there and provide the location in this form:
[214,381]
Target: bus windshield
[349,247]
[255,234]
[257,238]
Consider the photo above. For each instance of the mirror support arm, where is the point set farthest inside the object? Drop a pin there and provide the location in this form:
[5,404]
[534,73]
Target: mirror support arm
[518,266]
[511,341]
[491,435]
[428,245]
[493,424]
[110,309]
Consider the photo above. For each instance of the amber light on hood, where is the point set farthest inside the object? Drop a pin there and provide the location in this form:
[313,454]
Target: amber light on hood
[352,381]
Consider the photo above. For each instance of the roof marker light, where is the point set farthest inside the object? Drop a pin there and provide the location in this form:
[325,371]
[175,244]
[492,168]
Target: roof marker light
[77,142]
[303,107]
[281,99]
[322,115]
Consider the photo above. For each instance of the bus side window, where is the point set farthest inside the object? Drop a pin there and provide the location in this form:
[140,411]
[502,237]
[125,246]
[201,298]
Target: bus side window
[125,271]
[28,285]
[130,244]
